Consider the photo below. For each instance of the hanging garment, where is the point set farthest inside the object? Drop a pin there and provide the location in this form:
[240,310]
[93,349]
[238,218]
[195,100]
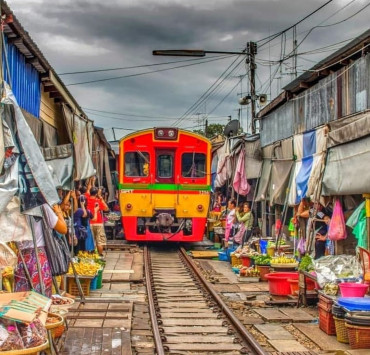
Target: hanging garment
[240,182]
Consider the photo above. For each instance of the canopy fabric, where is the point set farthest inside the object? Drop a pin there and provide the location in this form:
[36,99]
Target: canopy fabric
[223,165]
[253,158]
[78,127]
[264,180]
[38,170]
[240,183]
[347,171]
[349,129]
[280,174]
[308,147]
[49,136]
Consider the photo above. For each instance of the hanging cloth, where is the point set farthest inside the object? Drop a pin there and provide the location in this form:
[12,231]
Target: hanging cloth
[240,183]
[223,165]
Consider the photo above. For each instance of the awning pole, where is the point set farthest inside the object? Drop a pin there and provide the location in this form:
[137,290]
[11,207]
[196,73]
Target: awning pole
[367,205]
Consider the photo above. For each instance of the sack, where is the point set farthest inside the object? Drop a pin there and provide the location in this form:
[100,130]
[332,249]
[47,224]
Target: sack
[7,256]
[337,226]
[301,247]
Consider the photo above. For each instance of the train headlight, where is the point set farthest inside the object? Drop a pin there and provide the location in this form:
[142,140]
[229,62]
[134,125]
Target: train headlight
[171,133]
[200,208]
[160,133]
[128,207]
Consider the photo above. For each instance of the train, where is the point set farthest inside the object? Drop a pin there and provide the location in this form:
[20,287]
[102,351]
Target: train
[164,185]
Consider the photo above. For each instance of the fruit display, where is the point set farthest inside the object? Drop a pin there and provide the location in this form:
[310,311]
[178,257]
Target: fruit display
[283,260]
[331,289]
[85,268]
[249,272]
[262,259]
[61,301]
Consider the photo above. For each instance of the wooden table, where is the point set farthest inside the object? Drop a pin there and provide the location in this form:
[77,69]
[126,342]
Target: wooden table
[303,293]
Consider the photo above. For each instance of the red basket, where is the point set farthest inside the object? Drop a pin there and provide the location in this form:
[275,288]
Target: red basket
[246,260]
[326,321]
[359,337]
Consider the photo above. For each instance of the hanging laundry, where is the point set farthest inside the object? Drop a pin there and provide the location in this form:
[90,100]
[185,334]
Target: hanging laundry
[240,183]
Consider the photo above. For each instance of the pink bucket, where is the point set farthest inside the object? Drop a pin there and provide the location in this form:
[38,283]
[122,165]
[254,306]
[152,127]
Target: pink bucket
[351,289]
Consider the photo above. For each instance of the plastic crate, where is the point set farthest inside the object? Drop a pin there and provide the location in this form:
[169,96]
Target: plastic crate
[326,321]
[85,285]
[325,303]
[359,337]
[94,283]
[341,330]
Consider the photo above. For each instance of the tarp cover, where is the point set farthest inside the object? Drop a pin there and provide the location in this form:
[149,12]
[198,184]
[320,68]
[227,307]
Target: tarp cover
[78,127]
[347,170]
[280,170]
[349,129]
[264,181]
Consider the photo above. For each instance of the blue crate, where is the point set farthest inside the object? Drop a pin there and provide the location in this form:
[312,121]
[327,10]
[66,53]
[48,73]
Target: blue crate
[94,283]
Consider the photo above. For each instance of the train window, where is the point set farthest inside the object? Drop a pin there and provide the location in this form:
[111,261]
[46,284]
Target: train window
[193,165]
[136,164]
[165,165]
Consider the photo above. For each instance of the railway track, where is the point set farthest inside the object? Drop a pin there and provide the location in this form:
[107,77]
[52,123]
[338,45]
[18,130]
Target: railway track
[187,315]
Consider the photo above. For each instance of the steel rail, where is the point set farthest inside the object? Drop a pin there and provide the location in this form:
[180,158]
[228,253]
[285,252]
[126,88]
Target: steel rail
[235,321]
[149,286]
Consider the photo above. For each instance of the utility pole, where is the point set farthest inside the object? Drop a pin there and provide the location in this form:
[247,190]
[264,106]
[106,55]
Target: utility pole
[252,51]
[206,127]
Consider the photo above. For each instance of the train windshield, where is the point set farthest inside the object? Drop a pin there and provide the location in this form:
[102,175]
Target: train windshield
[136,164]
[193,165]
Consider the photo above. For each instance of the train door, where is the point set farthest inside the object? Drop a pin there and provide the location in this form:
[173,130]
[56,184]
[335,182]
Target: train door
[165,166]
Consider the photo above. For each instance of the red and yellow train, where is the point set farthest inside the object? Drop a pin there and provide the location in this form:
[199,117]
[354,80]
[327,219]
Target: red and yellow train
[165,184]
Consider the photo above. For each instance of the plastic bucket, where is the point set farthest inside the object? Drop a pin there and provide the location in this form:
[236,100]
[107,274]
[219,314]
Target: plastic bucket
[278,282]
[350,289]
[222,256]
[263,246]
[99,282]
[294,288]
[264,270]
[271,251]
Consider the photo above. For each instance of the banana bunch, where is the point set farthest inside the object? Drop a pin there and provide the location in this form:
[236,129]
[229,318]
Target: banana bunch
[283,260]
[87,255]
[84,268]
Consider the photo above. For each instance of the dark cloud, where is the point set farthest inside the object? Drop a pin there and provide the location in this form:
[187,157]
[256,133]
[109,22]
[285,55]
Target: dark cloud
[86,34]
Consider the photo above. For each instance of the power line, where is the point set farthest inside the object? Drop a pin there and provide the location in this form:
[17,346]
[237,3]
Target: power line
[150,72]
[267,39]
[135,66]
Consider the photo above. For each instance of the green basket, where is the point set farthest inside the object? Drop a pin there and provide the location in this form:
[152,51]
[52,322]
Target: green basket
[99,283]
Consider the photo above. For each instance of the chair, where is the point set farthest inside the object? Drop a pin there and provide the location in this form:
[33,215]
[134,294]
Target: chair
[365,264]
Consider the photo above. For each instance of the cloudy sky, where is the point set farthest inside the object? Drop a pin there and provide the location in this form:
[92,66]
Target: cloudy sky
[83,35]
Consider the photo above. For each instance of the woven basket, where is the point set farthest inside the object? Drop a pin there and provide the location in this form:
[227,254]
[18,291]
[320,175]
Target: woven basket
[341,330]
[359,337]
[29,351]
[235,261]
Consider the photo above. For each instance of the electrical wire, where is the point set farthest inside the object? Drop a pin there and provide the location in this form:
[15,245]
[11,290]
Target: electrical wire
[209,91]
[136,66]
[145,73]
[269,39]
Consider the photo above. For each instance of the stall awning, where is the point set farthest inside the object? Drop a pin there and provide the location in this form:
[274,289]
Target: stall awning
[348,129]
[347,170]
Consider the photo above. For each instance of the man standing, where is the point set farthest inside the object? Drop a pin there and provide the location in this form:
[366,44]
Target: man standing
[96,205]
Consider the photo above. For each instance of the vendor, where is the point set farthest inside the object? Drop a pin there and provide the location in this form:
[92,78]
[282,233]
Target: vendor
[244,215]
[230,219]
[54,220]
[321,231]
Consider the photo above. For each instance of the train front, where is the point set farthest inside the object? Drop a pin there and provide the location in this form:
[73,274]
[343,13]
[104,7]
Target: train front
[164,185]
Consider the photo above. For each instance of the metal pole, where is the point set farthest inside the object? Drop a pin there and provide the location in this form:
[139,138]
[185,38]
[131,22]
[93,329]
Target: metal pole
[367,205]
[252,51]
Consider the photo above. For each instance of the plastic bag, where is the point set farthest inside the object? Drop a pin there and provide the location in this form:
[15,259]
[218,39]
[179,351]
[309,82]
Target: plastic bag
[9,337]
[30,335]
[7,256]
[337,227]
[301,247]
[356,216]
